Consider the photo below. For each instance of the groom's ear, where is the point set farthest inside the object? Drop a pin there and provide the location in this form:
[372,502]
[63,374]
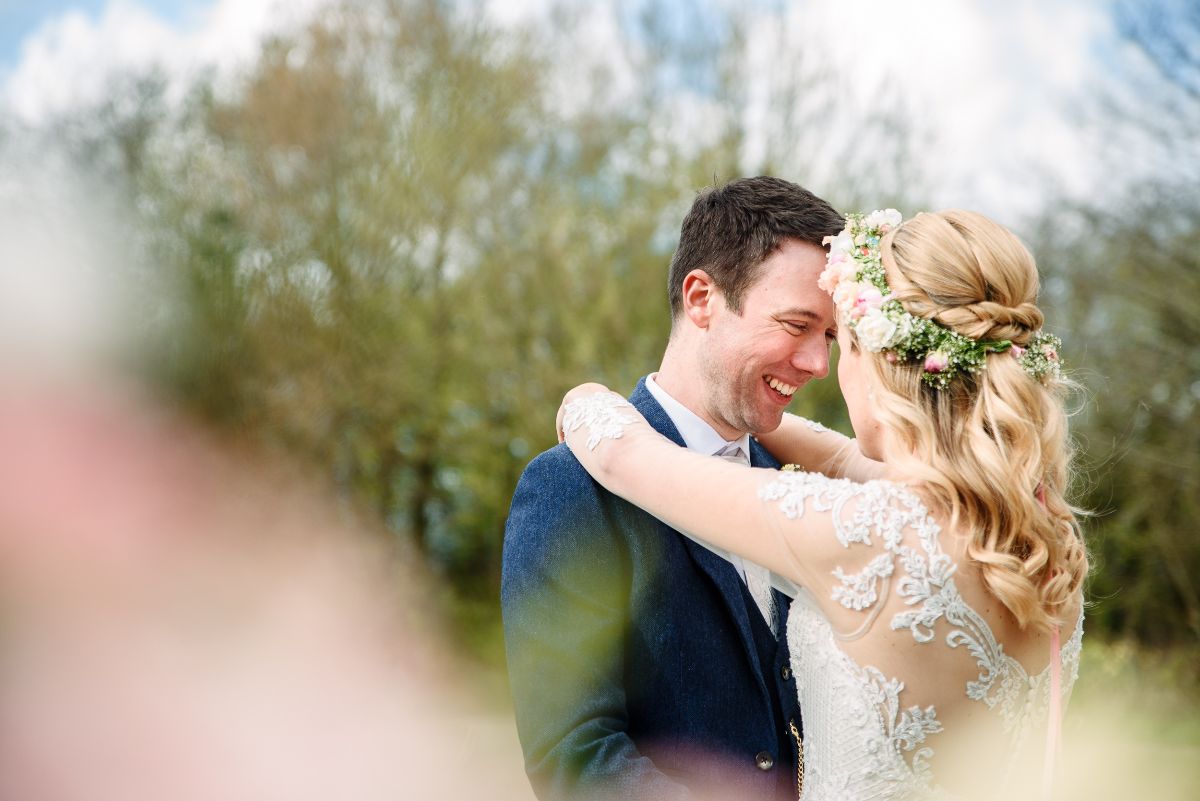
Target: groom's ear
[699,297]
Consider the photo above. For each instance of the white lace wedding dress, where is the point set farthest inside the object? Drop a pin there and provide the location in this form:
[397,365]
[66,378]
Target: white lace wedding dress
[963,718]
[898,650]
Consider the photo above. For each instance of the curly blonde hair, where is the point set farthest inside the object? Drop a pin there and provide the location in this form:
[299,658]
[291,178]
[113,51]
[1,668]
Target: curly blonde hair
[991,450]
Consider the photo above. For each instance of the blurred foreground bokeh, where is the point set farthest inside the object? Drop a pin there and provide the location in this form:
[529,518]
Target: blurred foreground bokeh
[179,619]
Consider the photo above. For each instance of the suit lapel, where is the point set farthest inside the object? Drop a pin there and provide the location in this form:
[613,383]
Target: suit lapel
[720,571]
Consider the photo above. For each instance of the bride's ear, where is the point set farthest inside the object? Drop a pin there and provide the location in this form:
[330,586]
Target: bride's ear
[700,297]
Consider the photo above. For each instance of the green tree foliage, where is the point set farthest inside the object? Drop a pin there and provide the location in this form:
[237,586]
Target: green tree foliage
[1124,269]
[1130,332]
[396,255]
[396,245]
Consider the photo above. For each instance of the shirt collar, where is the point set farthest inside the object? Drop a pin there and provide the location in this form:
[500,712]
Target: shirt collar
[698,435]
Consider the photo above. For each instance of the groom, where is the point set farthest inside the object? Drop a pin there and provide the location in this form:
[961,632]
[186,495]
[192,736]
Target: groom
[642,665]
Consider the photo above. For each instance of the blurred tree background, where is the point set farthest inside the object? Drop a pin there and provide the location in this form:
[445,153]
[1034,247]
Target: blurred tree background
[396,241]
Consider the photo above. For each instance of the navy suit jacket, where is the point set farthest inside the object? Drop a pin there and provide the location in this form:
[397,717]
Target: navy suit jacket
[639,665]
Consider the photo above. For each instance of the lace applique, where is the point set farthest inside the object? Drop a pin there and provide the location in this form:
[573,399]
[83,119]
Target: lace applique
[908,728]
[601,414]
[860,590]
[793,488]
[1070,654]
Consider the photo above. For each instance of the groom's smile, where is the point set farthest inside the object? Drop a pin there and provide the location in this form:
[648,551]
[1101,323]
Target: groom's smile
[782,389]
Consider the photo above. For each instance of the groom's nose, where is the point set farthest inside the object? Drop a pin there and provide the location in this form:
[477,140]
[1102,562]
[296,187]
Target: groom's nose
[813,358]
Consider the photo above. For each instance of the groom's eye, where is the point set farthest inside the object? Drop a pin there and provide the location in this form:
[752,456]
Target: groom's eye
[796,329]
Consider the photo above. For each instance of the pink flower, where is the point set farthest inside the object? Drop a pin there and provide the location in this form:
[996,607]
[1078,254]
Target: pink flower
[1017,351]
[839,268]
[843,296]
[891,357]
[1050,352]
[936,362]
[866,299]
[828,280]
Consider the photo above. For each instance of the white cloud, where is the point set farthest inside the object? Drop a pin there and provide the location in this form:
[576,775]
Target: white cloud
[995,85]
[72,58]
[593,63]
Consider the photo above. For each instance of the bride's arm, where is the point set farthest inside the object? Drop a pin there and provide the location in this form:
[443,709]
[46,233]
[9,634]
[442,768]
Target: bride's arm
[817,449]
[710,498]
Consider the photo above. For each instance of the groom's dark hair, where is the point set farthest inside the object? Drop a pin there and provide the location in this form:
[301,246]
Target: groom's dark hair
[731,229]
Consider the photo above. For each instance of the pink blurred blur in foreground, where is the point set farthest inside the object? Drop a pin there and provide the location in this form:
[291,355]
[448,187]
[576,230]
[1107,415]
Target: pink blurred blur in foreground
[181,621]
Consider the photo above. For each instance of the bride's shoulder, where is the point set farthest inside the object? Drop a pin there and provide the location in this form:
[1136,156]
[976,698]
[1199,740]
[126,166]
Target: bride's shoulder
[847,526]
[793,488]
[850,537]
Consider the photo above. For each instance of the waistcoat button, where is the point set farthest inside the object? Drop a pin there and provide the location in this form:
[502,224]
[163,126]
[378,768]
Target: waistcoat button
[764,761]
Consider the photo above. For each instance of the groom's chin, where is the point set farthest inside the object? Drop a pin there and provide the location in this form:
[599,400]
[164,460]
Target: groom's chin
[767,421]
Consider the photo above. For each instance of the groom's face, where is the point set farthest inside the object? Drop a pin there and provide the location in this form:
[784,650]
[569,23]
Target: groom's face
[754,361]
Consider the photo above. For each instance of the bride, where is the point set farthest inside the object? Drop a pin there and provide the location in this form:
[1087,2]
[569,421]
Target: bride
[935,564]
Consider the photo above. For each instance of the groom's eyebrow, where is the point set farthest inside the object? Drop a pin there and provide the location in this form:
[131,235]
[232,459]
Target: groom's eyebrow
[799,312]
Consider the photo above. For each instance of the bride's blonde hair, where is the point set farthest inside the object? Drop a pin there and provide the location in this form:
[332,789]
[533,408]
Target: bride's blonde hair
[990,449]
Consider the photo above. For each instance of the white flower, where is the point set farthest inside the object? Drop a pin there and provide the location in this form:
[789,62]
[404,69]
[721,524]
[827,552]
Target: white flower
[848,269]
[876,331]
[842,243]
[882,217]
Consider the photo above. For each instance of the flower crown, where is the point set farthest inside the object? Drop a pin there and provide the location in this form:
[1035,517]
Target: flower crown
[854,277]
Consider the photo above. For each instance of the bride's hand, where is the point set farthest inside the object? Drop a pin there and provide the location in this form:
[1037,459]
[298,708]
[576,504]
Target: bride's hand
[580,391]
